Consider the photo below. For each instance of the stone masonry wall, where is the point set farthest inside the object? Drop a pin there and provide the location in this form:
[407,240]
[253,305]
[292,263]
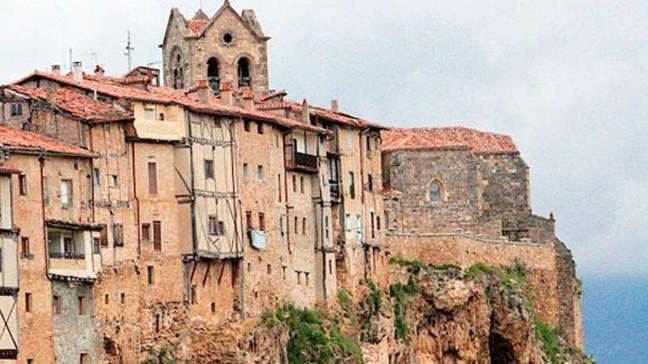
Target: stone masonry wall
[555,299]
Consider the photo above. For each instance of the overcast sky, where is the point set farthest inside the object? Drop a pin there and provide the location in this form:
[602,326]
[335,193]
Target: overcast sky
[567,79]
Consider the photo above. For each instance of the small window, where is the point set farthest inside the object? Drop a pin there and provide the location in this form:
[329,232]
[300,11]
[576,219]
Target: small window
[107,299]
[221,229]
[82,305]
[269,269]
[351,185]
[146,232]
[246,126]
[260,127]
[152,175]
[114,180]
[248,220]
[25,249]
[157,322]
[301,184]
[213,225]
[66,193]
[96,246]
[307,276]
[296,225]
[359,225]
[244,79]
[261,174]
[96,173]
[436,191]
[28,302]
[326,226]
[304,226]
[149,113]
[16,109]
[279,185]
[56,305]
[122,298]
[150,275]
[118,235]
[209,168]
[330,266]
[262,226]
[103,235]
[228,38]
[368,144]
[348,221]
[294,183]
[370,187]
[246,172]
[157,236]
[377,222]
[194,295]
[161,116]
[22,185]
[84,358]
[213,307]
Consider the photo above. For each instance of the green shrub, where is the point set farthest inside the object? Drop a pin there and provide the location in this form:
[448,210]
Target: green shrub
[549,338]
[401,294]
[314,338]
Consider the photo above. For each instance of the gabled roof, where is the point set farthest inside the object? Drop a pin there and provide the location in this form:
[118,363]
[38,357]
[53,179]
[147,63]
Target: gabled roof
[76,104]
[18,141]
[175,13]
[480,142]
[328,114]
[200,30]
[112,87]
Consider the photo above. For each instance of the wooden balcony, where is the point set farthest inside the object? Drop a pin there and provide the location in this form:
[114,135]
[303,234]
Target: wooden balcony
[303,162]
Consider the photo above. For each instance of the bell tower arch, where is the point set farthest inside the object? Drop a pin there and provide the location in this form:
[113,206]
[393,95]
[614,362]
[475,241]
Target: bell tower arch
[227,46]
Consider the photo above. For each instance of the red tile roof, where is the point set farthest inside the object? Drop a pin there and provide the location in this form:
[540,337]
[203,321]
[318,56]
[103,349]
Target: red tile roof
[77,104]
[330,115]
[8,170]
[196,25]
[166,95]
[480,142]
[23,141]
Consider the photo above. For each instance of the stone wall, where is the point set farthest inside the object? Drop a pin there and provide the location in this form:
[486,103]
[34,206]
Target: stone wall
[74,330]
[551,277]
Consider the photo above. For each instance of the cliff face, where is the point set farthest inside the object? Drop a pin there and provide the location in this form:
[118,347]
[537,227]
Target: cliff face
[428,315]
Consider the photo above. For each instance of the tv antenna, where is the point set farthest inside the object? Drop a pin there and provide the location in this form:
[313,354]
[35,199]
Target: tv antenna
[129,51]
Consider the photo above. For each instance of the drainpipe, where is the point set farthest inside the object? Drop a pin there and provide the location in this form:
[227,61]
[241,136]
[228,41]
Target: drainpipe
[41,161]
[137,201]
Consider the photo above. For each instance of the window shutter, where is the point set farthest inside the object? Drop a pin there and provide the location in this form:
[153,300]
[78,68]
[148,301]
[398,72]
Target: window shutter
[152,173]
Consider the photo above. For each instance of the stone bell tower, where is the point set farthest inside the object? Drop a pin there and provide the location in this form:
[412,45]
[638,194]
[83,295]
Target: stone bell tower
[226,47]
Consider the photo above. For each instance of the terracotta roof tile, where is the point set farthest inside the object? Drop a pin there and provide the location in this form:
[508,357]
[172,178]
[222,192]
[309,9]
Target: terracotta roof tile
[77,104]
[169,96]
[480,142]
[196,25]
[24,141]
[8,170]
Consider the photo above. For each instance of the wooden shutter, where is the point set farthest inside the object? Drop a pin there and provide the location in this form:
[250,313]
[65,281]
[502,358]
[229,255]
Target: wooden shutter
[152,173]
[157,235]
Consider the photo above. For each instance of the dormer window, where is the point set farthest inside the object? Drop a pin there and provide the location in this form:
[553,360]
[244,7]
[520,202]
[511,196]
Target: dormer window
[16,110]
[244,78]
[213,75]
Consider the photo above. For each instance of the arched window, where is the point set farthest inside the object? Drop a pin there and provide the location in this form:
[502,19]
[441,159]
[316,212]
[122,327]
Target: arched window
[213,75]
[244,78]
[436,191]
[178,75]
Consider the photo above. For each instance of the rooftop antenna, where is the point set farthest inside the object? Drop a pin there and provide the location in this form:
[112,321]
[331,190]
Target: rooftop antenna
[129,51]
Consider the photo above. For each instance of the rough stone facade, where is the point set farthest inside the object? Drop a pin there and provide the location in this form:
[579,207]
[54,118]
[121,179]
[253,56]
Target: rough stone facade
[481,213]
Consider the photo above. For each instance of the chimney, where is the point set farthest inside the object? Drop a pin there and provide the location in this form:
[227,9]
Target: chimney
[56,69]
[204,92]
[99,71]
[335,106]
[305,112]
[77,71]
[248,98]
[227,92]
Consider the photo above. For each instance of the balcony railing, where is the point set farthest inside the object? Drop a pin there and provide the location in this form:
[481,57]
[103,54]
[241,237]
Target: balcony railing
[304,162]
[75,256]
